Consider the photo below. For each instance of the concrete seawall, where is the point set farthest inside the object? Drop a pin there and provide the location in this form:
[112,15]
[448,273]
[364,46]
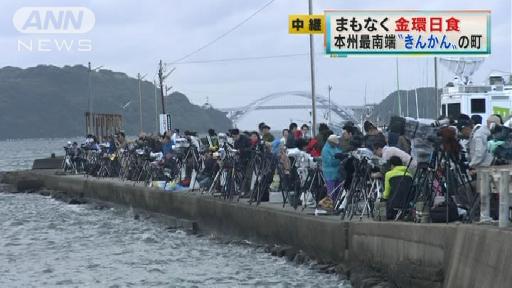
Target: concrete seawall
[412,255]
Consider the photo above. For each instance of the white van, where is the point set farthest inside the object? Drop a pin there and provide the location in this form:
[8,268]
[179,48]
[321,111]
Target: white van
[482,100]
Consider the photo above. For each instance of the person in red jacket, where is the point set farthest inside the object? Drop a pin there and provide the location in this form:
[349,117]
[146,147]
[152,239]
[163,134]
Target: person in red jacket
[311,148]
[315,145]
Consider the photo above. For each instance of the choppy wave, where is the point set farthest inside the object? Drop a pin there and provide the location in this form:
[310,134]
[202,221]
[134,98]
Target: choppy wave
[46,243]
[19,154]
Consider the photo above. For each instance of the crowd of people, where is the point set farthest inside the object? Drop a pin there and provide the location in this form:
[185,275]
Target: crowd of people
[263,159]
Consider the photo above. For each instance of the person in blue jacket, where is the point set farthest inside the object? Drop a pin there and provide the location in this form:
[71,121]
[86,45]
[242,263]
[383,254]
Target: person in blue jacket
[331,169]
[167,144]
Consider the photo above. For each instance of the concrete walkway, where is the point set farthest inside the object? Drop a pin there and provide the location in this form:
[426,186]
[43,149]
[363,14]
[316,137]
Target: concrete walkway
[412,255]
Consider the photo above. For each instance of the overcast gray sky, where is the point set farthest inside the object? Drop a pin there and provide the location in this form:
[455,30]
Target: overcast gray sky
[131,36]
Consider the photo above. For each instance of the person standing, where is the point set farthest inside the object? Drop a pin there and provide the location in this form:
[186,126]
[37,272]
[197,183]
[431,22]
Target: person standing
[255,139]
[315,145]
[291,140]
[373,135]
[284,137]
[331,170]
[121,140]
[243,145]
[352,138]
[478,152]
[305,132]
[266,135]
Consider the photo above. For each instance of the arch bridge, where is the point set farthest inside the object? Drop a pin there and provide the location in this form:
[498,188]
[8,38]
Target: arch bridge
[237,113]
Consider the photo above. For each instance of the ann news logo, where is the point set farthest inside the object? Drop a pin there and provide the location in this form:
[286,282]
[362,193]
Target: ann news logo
[54,29]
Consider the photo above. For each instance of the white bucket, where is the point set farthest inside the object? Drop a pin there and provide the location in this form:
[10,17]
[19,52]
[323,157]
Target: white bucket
[275,197]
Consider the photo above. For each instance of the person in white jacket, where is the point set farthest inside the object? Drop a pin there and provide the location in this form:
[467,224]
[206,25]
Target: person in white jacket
[478,151]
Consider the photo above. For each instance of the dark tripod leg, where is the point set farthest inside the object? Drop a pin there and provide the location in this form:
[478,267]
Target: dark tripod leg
[424,187]
[471,197]
[418,176]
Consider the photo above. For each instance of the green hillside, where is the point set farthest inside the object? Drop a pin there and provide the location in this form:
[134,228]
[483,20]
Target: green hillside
[49,101]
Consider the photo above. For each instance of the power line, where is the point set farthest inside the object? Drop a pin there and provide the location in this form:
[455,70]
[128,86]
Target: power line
[224,34]
[236,59]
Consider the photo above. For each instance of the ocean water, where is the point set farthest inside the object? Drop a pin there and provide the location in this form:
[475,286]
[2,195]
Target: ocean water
[47,243]
[19,154]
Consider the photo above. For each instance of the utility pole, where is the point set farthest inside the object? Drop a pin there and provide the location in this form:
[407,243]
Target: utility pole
[329,115]
[161,78]
[89,99]
[435,85]
[156,107]
[312,63]
[398,90]
[139,78]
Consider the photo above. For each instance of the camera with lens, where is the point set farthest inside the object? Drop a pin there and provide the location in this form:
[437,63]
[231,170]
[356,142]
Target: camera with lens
[426,135]
[502,140]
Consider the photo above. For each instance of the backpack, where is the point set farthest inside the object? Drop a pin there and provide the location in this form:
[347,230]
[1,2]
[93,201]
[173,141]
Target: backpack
[438,214]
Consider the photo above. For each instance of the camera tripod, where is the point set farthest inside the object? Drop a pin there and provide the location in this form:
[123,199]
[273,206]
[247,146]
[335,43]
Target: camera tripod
[443,174]
[363,190]
[313,183]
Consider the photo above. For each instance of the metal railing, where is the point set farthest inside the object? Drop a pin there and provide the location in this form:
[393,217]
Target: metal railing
[497,177]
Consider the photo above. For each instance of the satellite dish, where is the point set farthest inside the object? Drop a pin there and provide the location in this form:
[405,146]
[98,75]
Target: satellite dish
[462,67]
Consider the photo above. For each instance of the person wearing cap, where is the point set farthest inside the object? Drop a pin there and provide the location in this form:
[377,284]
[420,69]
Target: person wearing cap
[260,127]
[266,135]
[331,170]
[373,135]
[478,151]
